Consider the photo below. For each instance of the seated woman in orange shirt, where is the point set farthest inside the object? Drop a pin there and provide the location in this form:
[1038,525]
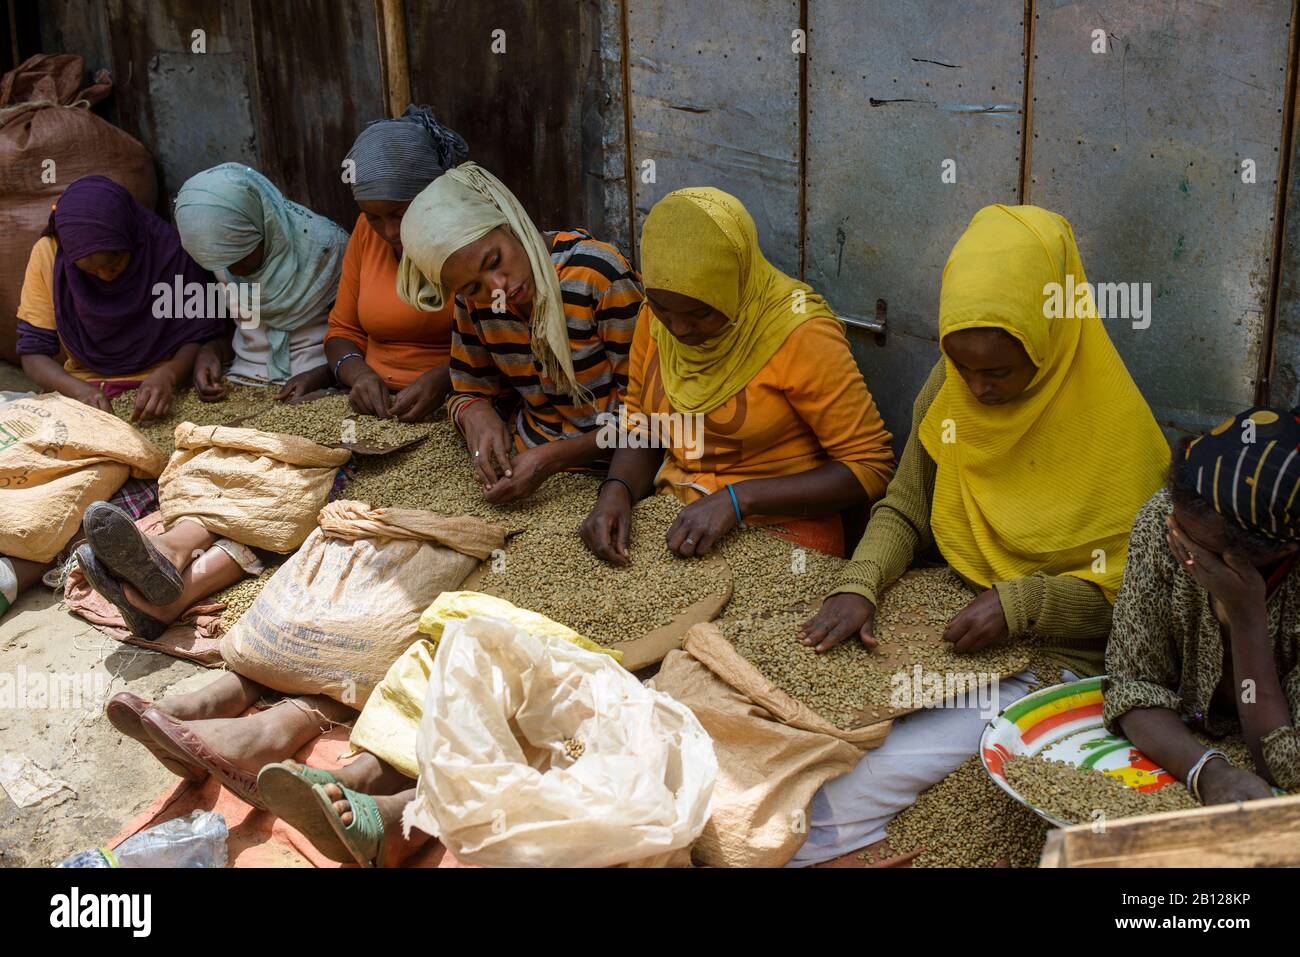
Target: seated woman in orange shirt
[377,345]
[744,376]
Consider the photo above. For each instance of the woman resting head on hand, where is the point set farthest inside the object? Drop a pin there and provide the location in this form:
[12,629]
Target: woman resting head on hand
[1207,622]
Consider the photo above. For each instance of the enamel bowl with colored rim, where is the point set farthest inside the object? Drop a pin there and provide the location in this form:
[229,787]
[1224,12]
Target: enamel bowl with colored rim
[1063,723]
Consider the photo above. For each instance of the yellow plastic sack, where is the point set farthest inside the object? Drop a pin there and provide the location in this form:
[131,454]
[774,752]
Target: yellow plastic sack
[389,722]
[262,489]
[459,605]
[57,456]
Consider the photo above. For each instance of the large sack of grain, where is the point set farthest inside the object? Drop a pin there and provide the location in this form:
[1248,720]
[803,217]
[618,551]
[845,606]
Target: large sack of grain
[48,139]
[773,752]
[336,615]
[56,457]
[262,489]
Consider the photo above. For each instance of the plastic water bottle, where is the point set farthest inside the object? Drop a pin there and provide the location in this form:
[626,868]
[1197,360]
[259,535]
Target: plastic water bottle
[198,840]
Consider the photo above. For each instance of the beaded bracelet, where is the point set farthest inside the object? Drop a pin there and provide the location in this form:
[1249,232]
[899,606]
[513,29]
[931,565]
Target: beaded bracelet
[461,407]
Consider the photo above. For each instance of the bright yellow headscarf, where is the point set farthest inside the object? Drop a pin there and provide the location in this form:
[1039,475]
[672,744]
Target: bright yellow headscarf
[702,242]
[1045,481]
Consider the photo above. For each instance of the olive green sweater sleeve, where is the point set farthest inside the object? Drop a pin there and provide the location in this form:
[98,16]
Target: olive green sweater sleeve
[1059,606]
[900,522]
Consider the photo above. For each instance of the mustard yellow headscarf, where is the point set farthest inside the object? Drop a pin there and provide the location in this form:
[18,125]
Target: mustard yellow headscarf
[460,207]
[702,242]
[1040,483]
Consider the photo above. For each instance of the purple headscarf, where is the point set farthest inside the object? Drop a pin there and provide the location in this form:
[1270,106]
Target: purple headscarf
[110,327]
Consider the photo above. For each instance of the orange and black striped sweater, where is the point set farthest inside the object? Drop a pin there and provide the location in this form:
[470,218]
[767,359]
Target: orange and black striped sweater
[491,356]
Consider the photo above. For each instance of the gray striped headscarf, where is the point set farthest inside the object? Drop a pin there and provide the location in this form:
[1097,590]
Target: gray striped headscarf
[396,159]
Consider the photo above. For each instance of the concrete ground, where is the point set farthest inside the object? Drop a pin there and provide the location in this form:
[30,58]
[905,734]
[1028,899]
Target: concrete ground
[110,778]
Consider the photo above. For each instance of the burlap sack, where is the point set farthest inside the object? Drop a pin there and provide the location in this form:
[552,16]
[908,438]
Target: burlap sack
[48,139]
[56,457]
[773,752]
[336,615]
[262,489]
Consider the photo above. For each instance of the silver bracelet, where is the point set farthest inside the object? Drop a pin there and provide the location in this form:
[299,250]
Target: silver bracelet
[1194,775]
[338,365]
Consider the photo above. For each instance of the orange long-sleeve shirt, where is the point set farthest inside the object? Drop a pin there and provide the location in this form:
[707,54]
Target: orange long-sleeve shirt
[808,406]
[400,342]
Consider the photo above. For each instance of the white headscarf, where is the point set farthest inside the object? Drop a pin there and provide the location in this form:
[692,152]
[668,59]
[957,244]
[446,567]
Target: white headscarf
[458,208]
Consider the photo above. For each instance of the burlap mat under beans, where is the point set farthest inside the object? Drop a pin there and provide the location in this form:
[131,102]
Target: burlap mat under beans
[773,752]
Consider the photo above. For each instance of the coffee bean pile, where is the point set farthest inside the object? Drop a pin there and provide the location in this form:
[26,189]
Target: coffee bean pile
[966,820]
[548,570]
[1081,795]
[850,685]
[240,400]
[240,596]
[772,574]
[332,421]
[438,475]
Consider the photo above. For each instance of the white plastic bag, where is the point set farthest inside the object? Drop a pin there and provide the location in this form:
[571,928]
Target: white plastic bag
[535,752]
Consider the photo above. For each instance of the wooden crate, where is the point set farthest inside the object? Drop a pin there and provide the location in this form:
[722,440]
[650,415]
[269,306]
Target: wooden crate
[1262,833]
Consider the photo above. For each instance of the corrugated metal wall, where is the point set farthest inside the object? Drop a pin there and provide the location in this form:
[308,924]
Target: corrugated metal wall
[838,147]
[1141,146]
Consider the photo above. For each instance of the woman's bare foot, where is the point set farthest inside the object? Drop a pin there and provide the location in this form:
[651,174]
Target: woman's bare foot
[394,848]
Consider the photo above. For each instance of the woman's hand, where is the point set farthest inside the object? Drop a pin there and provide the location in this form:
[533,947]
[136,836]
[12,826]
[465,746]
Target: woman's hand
[305,382]
[423,397]
[154,397]
[368,395]
[839,617]
[489,442]
[529,469]
[1224,783]
[978,625]
[207,375]
[88,394]
[1236,586]
[606,529]
[699,525]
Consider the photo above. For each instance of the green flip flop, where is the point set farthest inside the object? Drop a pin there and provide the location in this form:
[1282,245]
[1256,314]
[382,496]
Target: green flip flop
[287,792]
[364,837]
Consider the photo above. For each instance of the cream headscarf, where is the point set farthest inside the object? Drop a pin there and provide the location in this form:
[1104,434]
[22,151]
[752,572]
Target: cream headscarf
[702,242]
[1046,481]
[460,207]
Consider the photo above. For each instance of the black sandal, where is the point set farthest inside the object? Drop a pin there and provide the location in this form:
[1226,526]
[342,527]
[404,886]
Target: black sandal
[129,555]
[144,626]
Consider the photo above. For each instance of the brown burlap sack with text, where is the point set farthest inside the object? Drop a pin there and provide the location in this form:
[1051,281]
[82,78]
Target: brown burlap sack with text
[56,457]
[336,615]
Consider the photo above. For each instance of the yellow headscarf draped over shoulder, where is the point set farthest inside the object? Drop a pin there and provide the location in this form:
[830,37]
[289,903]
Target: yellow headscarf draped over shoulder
[1050,481]
[702,242]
